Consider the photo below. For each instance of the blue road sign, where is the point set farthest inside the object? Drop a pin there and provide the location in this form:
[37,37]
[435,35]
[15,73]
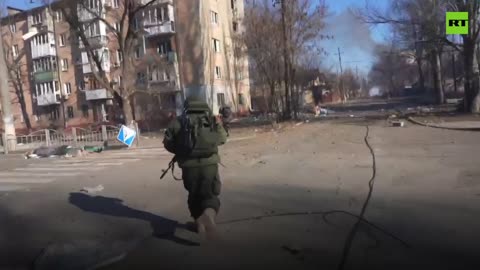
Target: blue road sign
[126,136]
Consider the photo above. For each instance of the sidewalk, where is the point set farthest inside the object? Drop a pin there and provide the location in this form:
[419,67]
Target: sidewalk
[470,122]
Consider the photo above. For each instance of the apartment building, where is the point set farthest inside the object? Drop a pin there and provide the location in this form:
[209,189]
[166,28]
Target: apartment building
[187,47]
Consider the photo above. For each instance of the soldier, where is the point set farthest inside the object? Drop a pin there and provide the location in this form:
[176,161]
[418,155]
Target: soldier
[194,138]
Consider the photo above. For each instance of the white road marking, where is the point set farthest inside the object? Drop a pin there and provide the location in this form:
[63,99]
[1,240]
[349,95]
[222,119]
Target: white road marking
[89,168]
[37,174]
[26,180]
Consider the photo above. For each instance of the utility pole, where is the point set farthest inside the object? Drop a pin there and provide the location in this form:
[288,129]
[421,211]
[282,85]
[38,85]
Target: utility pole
[8,126]
[340,84]
[287,113]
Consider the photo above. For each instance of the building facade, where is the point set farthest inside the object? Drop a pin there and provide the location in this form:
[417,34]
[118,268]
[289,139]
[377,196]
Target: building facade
[187,47]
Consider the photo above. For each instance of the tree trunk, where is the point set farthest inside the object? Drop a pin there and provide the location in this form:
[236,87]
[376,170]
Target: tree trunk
[437,78]
[468,60]
[475,104]
[128,111]
[21,99]
[287,114]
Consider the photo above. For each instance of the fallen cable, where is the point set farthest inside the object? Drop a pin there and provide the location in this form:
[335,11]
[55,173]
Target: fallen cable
[348,242]
[324,214]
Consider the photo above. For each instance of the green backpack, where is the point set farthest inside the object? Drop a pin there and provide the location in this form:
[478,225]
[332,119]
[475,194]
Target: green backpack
[198,136]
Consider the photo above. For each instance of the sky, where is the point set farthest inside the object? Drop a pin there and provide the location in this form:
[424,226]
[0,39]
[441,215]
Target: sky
[355,40]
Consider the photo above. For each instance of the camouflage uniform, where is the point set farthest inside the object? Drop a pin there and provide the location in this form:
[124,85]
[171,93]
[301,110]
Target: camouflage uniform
[200,175]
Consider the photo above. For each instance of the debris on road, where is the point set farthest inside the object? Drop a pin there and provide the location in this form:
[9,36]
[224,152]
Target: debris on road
[398,123]
[92,190]
[62,151]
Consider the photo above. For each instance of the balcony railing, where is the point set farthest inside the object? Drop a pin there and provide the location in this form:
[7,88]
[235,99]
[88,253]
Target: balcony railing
[97,94]
[45,76]
[48,99]
[88,68]
[85,15]
[43,50]
[158,2]
[166,28]
[95,42]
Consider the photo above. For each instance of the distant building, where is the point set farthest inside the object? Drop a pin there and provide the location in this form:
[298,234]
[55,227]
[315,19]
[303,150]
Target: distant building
[192,42]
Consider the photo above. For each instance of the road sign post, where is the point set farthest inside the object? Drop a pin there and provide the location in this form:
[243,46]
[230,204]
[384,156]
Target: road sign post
[126,136]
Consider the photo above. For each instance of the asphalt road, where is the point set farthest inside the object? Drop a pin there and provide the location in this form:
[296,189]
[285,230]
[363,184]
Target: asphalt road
[276,189]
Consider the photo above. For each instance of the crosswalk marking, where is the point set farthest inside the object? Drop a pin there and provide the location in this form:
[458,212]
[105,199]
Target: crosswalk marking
[88,168]
[48,170]
[37,174]
[26,180]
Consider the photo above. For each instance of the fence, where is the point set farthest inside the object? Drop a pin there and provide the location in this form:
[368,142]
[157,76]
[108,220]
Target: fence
[76,137]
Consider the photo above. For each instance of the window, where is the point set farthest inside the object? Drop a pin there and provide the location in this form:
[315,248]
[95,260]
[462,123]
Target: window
[140,77]
[61,40]
[218,72]
[135,24]
[138,52]
[64,64]
[15,50]
[92,4]
[116,3]
[117,26]
[241,99]
[119,56]
[70,111]
[92,29]
[235,26]
[214,17]
[221,99]
[13,27]
[239,76]
[216,45]
[85,110]
[68,88]
[58,16]
[233,3]
[54,113]
[164,47]
[37,18]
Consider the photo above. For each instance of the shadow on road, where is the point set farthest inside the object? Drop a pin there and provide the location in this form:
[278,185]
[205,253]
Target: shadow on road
[163,228]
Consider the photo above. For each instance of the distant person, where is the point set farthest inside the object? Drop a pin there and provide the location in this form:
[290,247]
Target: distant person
[227,115]
[194,138]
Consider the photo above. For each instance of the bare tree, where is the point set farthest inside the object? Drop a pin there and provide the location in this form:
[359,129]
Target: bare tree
[468,51]
[17,74]
[262,37]
[419,25]
[123,25]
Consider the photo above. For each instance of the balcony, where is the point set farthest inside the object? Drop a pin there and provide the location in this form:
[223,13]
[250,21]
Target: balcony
[165,28]
[45,76]
[97,94]
[158,2]
[40,22]
[48,99]
[95,42]
[43,50]
[87,67]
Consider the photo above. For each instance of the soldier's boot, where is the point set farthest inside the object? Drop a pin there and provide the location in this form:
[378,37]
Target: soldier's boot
[207,223]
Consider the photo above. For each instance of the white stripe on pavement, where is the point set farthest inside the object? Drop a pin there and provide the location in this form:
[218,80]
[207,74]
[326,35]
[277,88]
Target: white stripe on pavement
[26,180]
[89,168]
[66,165]
[37,174]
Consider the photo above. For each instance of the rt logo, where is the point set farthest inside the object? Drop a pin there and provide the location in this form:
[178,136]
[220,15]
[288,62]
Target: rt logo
[457,23]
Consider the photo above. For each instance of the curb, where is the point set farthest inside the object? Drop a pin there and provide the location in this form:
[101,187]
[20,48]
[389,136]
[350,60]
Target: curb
[415,121]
